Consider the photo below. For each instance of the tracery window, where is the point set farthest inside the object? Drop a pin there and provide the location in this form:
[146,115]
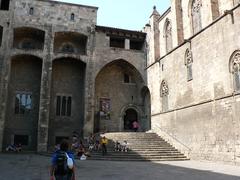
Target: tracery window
[188,64]
[235,69]
[164,91]
[196,15]
[168,36]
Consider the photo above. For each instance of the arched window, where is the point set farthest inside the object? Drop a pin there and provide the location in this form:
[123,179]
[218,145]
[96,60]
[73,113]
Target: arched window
[168,35]
[72,17]
[164,91]
[31,11]
[234,66]
[188,63]
[196,15]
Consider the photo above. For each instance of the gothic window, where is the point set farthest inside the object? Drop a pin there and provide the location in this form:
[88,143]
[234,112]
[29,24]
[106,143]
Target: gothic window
[23,103]
[64,106]
[31,11]
[168,36]
[72,17]
[188,64]
[1,35]
[235,69]
[164,91]
[196,15]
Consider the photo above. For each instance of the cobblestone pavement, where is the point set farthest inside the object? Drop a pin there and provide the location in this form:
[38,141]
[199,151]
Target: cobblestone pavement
[36,167]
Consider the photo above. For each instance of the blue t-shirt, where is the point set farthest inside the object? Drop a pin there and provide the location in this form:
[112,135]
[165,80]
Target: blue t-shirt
[54,156]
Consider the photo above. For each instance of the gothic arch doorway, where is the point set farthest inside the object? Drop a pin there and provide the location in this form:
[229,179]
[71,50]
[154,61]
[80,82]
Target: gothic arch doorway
[129,116]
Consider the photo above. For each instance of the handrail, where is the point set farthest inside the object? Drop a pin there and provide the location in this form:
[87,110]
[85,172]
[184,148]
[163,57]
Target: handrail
[173,137]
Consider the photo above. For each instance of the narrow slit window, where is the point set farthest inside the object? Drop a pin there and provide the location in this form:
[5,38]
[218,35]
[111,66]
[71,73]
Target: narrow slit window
[69,106]
[126,78]
[1,35]
[64,106]
[63,111]
[72,17]
[58,108]
[31,11]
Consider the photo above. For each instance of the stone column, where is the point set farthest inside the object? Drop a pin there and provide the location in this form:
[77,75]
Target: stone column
[89,89]
[44,106]
[127,44]
[5,69]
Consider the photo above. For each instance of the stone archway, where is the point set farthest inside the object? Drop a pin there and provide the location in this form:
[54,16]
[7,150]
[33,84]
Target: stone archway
[67,98]
[22,113]
[130,116]
[122,77]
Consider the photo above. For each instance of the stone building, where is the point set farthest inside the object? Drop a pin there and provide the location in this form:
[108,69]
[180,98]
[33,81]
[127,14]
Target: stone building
[194,77]
[63,74]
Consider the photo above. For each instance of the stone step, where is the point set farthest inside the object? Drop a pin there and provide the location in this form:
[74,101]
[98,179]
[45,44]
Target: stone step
[142,147]
[139,159]
[139,154]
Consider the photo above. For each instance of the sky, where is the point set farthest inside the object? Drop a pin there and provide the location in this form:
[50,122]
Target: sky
[125,14]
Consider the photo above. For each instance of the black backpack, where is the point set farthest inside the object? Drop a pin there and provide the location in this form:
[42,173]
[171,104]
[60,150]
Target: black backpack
[61,164]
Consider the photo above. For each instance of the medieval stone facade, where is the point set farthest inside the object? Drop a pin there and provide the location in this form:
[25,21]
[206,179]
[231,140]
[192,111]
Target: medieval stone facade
[63,74]
[194,79]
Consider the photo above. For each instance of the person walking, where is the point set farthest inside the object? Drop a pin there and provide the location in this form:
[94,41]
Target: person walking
[104,142]
[62,166]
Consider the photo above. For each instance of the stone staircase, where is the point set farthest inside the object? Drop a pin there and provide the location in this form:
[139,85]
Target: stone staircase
[142,147]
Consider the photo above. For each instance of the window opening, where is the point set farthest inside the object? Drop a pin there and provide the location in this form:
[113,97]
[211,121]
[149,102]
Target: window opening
[72,17]
[1,35]
[117,42]
[31,11]
[23,103]
[126,78]
[5,5]
[64,106]
[21,139]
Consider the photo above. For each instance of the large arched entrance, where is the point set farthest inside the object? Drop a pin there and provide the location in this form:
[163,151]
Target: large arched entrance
[117,88]
[130,116]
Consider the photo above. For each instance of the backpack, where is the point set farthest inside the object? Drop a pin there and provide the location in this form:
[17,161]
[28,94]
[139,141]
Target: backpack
[61,164]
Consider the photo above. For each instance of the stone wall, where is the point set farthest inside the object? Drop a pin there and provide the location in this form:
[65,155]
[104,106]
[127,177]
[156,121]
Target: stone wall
[202,116]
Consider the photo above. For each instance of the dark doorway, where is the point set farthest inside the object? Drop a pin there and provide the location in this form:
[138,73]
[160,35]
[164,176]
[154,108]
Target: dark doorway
[130,116]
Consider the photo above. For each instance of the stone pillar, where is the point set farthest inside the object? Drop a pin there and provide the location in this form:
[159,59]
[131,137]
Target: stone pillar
[44,106]
[5,69]
[89,90]
[127,44]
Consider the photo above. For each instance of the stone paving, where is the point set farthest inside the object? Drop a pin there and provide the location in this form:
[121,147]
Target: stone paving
[36,167]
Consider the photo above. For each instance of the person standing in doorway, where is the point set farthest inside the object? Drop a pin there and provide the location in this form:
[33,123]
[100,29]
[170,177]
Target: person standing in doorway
[104,142]
[135,126]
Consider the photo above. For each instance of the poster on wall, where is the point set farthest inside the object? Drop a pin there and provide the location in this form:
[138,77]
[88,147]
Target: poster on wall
[105,107]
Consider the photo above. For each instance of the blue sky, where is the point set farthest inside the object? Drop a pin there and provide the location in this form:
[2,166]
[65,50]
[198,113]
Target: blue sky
[126,14]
